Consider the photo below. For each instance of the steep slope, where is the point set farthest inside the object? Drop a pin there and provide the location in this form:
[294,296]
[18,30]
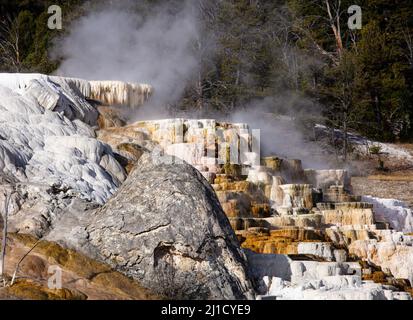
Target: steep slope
[165,228]
[82,278]
[278,207]
[48,157]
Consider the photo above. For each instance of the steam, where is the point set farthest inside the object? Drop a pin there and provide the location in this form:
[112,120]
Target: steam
[285,135]
[115,43]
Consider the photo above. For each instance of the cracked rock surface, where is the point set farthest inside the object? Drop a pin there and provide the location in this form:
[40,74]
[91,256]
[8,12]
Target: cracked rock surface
[166,228]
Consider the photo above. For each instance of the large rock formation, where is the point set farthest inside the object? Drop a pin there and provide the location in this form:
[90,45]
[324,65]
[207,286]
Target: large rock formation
[49,153]
[165,228]
[394,212]
[82,278]
[394,254]
[283,278]
[278,207]
[69,95]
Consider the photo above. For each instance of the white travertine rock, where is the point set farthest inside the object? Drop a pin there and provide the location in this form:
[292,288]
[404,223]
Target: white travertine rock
[277,194]
[251,158]
[314,270]
[115,93]
[259,176]
[68,94]
[390,256]
[281,278]
[332,288]
[58,94]
[319,249]
[270,265]
[397,237]
[297,196]
[109,163]
[351,217]
[40,146]
[192,153]
[340,255]
[395,212]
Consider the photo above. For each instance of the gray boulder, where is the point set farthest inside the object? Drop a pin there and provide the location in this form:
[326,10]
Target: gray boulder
[165,228]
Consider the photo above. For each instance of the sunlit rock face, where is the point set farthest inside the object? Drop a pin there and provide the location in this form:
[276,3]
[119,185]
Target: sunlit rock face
[64,148]
[115,93]
[394,212]
[48,150]
[68,94]
[394,257]
[65,95]
[165,228]
[278,207]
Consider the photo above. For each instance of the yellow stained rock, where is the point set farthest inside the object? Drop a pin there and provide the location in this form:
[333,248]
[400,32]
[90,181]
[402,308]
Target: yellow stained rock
[273,163]
[109,117]
[283,241]
[82,277]
[348,216]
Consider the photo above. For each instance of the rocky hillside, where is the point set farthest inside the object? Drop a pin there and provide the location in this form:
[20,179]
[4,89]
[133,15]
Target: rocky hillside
[179,208]
[319,240]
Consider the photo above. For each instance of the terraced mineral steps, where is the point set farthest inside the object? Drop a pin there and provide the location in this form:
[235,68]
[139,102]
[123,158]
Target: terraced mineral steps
[274,205]
[305,233]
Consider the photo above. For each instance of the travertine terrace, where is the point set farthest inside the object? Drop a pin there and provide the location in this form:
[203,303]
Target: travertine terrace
[306,235]
[278,207]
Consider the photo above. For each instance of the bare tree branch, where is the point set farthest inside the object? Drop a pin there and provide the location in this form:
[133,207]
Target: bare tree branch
[10,43]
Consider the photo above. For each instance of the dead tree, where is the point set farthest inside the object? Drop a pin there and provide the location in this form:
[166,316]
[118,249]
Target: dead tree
[7,196]
[408,38]
[10,51]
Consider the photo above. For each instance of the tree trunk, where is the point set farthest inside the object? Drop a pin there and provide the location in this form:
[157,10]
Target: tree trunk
[345,142]
[335,26]
[4,237]
[199,93]
[377,109]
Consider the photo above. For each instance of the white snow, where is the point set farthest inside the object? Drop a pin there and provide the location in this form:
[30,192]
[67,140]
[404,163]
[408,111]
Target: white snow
[363,145]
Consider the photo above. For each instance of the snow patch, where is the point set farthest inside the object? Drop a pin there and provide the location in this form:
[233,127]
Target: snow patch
[363,145]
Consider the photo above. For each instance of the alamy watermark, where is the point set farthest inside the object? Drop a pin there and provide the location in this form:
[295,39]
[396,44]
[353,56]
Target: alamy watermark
[355,20]
[55,20]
